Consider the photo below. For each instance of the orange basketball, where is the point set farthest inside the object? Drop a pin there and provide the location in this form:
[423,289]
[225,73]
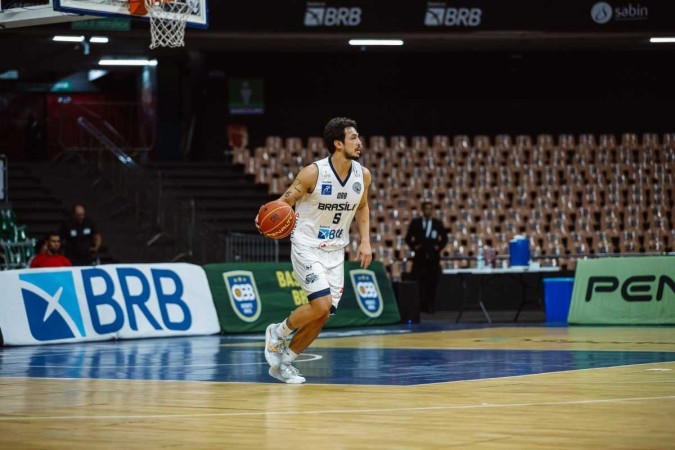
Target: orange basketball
[276,219]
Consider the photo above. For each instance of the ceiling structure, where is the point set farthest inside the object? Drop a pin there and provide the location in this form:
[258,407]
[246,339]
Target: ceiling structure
[31,50]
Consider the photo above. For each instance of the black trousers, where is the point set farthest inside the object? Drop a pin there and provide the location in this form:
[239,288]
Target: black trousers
[427,274]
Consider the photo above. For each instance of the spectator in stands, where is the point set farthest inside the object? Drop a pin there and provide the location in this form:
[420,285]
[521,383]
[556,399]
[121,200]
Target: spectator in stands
[81,238]
[40,248]
[426,236]
[50,254]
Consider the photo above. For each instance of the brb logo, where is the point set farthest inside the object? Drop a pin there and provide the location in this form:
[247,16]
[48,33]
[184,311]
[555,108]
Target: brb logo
[243,294]
[327,233]
[53,306]
[320,15]
[367,292]
[438,15]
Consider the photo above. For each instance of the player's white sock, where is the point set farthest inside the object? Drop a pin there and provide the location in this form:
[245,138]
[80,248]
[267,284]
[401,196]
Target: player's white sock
[282,329]
[288,356]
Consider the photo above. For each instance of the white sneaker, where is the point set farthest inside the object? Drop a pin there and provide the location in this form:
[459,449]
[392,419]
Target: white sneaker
[274,346]
[287,373]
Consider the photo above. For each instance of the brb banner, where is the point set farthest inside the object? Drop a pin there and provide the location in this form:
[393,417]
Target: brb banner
[40,306]
[440,16]
[248,297]
[624,291]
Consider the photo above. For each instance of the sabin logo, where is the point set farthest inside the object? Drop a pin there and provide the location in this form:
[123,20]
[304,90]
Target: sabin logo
[601,12]
[51,306]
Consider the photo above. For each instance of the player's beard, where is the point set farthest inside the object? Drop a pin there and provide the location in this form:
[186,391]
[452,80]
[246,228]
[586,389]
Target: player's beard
[353,156]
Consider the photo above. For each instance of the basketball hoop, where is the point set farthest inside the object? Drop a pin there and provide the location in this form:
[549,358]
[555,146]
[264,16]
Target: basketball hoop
[167,21]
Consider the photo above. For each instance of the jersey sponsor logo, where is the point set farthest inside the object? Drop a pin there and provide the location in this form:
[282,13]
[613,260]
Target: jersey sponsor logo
[52,307]
[311,278]
[357,187]
[327,233]
[367,292]
[337,206]
[342,196]
[326,189]
[243,293]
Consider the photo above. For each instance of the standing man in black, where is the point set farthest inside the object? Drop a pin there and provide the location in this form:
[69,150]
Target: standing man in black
[427,237]
[81,237]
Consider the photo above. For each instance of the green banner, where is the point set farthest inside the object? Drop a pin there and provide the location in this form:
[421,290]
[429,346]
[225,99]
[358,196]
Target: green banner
[246,96]
[624,291]
[104,24]
[250,296]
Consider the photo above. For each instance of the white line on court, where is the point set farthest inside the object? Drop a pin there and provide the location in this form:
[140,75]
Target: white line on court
[342,411]
[305,357]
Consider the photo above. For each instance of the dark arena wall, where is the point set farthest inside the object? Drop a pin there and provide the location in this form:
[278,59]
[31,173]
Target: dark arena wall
[467,92]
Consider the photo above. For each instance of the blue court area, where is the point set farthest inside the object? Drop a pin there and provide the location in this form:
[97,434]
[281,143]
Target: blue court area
[240,359]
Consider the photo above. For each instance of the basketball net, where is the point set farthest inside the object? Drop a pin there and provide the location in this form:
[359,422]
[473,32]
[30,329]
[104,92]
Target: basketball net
[167,21]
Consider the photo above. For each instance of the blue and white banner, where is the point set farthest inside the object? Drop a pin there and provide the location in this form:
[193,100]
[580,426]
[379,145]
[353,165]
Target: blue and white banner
[41,306]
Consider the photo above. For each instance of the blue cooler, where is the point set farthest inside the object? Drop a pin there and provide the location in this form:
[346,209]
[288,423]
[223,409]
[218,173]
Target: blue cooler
[519,251]
[557,298]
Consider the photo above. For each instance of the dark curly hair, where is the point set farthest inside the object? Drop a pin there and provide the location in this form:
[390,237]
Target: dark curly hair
[335,131]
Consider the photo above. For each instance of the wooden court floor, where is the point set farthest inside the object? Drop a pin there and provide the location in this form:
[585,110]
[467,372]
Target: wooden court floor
[401,387]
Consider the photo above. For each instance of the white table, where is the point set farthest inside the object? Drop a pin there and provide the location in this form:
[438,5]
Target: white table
[490,270]
[485,275]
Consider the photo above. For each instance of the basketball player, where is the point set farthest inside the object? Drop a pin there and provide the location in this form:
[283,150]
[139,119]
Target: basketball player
[327,196]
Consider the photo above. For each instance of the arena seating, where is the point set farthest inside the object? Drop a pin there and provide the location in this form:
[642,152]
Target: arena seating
[572,196]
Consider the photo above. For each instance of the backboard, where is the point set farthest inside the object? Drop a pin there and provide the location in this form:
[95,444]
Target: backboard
[198,17]
[24,13]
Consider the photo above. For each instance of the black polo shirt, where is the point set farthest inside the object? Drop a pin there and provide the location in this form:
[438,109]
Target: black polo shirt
[78,238]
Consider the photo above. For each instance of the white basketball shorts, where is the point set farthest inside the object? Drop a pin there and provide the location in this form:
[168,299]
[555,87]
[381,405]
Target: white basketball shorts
[319,272]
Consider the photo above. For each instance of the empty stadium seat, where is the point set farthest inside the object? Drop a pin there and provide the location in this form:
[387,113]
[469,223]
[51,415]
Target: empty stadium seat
[576,197]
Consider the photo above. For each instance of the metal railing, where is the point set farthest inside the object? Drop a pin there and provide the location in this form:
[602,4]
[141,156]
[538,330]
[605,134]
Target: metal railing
[171,221]
[241,247]
[121,121]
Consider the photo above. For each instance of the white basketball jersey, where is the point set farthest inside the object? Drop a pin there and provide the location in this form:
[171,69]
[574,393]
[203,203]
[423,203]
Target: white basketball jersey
[323,217]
